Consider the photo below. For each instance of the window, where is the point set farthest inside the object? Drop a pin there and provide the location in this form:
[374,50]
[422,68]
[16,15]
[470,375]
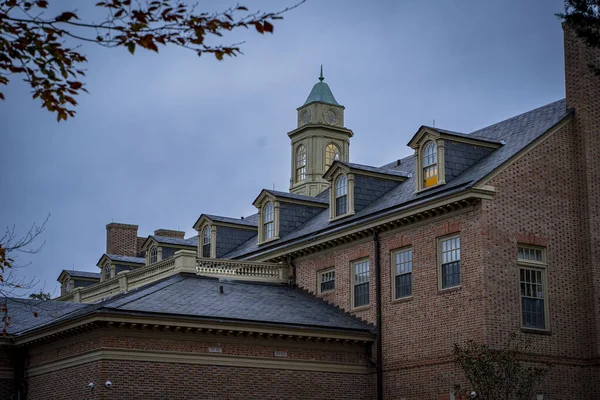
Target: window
[341,195]
[106,271]
[430,169]
[532,282]
[206,241]
[360,282]
[332,153]
[300,163]
[402,260]
[449,250]
[153,255]
[326,281]
[268,222]
[67,286]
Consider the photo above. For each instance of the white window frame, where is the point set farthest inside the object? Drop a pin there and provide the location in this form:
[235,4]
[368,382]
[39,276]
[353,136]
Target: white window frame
[525,263]
[153,254]
[353,283]
[337,194]
[441,252]
[106,267]
[321,275]
[206,240]
[268,221]
[332,153]
[408,251]
[300,163]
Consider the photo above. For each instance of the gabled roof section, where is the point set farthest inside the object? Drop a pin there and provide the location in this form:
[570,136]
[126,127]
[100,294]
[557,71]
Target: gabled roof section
[119,258]
[385,173]
[189,242]
[317,201]
[247,223]
[78,274]
[436,133]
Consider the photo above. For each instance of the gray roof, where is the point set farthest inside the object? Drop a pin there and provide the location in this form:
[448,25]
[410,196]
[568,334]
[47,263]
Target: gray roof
[379,170]
[81,274]
[464,135]
[196,297]
[236,221]
[293,196]
[193,241]
[516,133]
[128,259]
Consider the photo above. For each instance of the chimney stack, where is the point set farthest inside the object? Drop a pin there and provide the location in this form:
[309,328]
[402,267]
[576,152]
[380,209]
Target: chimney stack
[121,239]
[169,233]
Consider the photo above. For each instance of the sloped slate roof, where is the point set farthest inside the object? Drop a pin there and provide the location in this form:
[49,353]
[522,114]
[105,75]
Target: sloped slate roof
[516,133]
[235,221]
[81,274]
[194,296]
[379,170]
[193,241]
[465,135]
[293,196]
[129,259]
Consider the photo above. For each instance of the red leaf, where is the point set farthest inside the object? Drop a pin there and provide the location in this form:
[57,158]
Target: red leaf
[268,27]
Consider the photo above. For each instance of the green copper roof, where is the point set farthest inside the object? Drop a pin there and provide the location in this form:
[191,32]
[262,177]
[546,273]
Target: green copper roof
[321,93]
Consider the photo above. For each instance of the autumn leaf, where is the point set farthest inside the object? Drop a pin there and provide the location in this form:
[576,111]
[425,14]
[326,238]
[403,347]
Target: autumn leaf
[131,47]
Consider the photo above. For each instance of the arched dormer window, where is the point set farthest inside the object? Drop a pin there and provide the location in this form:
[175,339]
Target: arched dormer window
[341,195]
[300,163]
[332,153]
[106,271]
[66,286]
[153,255]
[206,241]
[430,164]
[268,221]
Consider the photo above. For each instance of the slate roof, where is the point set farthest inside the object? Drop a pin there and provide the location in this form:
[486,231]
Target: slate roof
[195,296]
[516,133]
[379,170]
[236,221]
[81,274]
[193,241]
[293,196]
[129,259]
[465,135]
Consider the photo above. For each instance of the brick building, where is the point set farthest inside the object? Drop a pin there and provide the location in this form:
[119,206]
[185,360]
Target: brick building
[356,283]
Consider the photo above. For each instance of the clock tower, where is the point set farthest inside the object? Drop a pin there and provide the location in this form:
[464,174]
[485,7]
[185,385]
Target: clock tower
[319,139]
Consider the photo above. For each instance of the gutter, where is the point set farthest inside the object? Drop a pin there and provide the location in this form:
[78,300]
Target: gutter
[379,349]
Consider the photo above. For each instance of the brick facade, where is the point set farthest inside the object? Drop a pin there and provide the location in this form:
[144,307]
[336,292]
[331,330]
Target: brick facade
[121,239]
[169,233]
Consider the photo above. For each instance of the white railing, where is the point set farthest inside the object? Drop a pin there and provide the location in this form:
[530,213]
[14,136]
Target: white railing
[242,270]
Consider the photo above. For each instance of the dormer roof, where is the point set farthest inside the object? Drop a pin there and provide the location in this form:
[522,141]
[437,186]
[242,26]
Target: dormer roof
[120,258]
[438,133]
[243,223]
[78,274]
[290,197]
[384,173]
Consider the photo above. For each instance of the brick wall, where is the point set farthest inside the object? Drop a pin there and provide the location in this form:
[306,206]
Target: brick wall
[169,233]
[121,239]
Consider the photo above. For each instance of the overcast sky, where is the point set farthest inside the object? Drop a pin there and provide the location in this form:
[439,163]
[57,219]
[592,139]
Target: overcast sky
[162,138]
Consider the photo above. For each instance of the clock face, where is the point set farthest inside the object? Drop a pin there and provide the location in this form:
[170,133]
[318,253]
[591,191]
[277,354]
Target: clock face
[305,116]
[331,116]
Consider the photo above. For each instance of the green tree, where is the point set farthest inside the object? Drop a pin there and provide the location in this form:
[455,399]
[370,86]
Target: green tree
[497,374]
[583,16]
[43,49]
[40,296]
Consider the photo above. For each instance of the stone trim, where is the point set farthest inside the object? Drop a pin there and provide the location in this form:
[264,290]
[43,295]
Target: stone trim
[174,357]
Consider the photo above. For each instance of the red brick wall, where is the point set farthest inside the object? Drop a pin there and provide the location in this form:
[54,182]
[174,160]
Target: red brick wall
[121,239]
[169,233]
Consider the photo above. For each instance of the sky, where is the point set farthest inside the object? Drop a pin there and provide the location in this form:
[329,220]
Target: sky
[162,138]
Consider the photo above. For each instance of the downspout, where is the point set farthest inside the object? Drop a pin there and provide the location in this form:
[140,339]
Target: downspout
[379,360]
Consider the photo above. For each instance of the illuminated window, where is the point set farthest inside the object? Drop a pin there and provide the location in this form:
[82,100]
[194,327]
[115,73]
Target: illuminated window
[300,163]
[332,153]
[206,241]
[268,222]
[430,166]
[153,255]
[449,270]
[532,282]
[341,195]
[402,261]
[106,271]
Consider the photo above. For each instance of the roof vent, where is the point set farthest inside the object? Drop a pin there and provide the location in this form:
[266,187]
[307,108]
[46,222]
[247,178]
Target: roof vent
[398,162]
[242,217]
[221,289]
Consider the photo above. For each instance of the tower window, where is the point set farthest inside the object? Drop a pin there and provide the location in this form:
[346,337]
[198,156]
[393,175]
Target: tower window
[341,195]
[332,153]
[300,163]
[106,271]
[206,241]
[153,255]
[268,221]
[430,165]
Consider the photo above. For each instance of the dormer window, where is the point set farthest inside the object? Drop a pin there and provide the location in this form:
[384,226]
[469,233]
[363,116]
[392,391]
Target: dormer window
[341,195]
[66,286]
[206,241]
[106,271]
[300,163]
[430,165]
[332,153]
[153,255]
[268,221]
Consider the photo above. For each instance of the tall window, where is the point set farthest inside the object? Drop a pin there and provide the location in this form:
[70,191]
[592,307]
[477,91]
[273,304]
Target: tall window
[449,250]
[67,286]
[326,281]
[360,283]
[268,222]
[332,153]
[206,241]
[532,281]
[341,195]
[403,273]
[430,167]
[153,255]
[106,271]
[300,163]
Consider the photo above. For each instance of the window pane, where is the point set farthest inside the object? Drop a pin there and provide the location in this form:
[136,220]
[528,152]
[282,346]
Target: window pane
[327,281]
[341,205]
[450,270]
[361,283]
[532,297]
[403,285]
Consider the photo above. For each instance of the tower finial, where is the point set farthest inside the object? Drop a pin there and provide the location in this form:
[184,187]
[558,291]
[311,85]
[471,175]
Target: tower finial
[321,76]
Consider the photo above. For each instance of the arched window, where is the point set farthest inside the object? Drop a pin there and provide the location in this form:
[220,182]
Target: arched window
[341,195]
[67,285]
[430,167]
[332,153]
[106,271]
[153,255]
[206,241]
[268,221]
[300,163]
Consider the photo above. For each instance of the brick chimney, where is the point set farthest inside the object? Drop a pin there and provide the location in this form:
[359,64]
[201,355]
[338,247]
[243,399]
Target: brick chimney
[169,233]
[583,95]
[121,239]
